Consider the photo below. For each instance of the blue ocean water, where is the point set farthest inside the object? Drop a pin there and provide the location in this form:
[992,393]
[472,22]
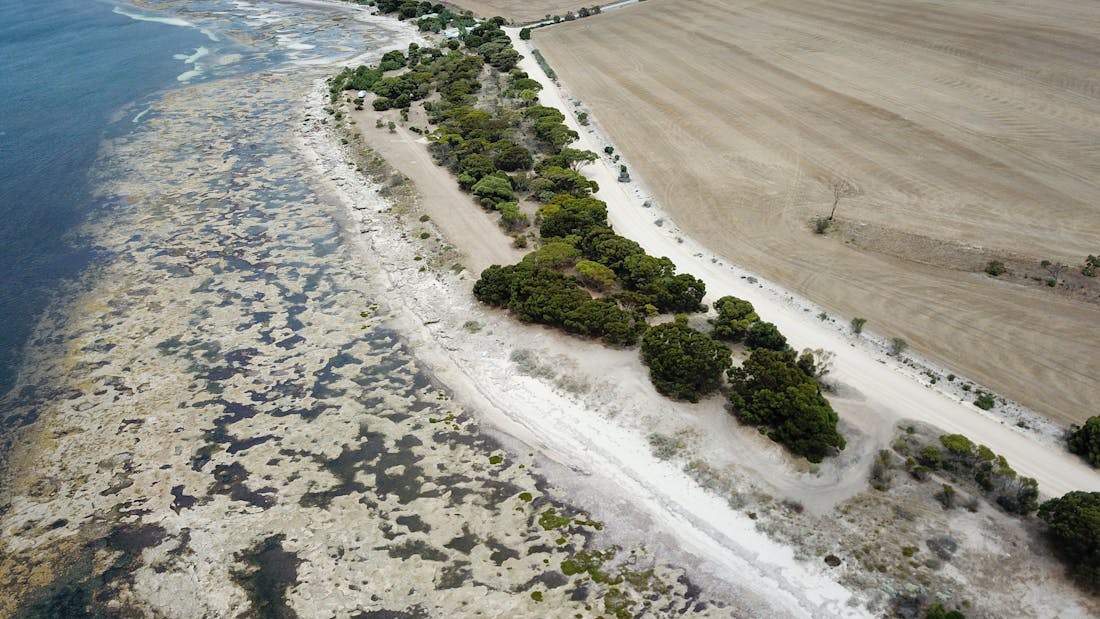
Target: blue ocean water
[68,68]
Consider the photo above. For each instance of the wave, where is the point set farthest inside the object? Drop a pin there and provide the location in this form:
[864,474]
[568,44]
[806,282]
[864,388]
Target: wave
[171,21]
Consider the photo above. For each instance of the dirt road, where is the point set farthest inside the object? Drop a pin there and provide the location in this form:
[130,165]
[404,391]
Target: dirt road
[966,129]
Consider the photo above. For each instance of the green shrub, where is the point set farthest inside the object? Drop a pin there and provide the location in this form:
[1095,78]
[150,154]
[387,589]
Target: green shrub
[1085,440]
[995,268]
[683,363]
[1073,530]
[984,401]
[770,390]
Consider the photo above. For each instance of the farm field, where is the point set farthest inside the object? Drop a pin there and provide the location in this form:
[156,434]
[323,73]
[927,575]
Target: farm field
[523,12]
[967,131]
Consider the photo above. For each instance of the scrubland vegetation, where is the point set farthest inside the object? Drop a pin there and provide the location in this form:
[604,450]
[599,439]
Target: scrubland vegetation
[513,156]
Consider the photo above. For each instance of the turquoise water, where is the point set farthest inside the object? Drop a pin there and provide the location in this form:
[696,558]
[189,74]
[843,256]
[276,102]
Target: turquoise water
[71,73]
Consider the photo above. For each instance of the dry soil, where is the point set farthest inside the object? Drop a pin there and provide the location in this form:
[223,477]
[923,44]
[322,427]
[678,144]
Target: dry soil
[974,125]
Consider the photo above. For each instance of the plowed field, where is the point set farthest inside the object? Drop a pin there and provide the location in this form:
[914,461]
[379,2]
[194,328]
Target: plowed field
[967,130]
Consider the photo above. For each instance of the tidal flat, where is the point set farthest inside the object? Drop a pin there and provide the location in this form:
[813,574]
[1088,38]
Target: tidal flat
[225,420]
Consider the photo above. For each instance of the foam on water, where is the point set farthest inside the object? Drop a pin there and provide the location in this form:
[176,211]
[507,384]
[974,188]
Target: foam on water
[170,21]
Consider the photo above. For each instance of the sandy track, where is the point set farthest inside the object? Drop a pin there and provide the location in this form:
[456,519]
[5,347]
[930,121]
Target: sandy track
[975,125]
[888,393]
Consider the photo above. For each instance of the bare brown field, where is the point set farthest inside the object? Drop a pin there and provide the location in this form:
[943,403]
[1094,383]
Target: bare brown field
[523,12]
[971,126]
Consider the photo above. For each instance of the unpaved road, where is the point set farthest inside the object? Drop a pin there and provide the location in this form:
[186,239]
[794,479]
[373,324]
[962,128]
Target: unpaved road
[888,393]
[974,126]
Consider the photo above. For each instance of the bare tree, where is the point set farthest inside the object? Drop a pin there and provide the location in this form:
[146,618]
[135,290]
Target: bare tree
[1054,268]
[841,189]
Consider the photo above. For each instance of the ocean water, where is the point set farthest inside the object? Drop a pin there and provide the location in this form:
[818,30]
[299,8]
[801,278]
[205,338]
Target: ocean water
[72,72]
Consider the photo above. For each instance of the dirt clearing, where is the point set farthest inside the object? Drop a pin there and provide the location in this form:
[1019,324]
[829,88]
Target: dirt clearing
[973,126]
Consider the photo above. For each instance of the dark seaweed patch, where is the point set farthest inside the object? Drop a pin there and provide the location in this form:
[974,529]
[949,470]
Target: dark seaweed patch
[181,500]
[417,547]
[269,573]
[229,479]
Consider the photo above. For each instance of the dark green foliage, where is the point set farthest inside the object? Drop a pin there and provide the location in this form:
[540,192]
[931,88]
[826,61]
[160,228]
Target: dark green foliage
[572,217]
[677,293]
[511,218]
[1092,263]
[609,249]
[494,287]
[540,294]
[595,275]
[392,61]
[683,363]
[995,268]
[360,78]
[604,318]
[765,335]
[554,255]
[554,180]
[1015,494]
[930,457]
[495,189]
[857,325]
[1073,527]
[984,401]
[937,611]
[1085,440]
[525,34]
[640,270]
[513,157]
[770,390]
[735,316]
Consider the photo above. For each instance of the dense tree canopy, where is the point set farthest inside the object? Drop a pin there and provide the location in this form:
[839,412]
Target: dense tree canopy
[1085,440]
[765,335]
[735,316]
[770,390]
[1073,524]
[683,363]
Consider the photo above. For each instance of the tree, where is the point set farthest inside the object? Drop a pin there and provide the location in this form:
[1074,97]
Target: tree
[595,275]
[770,390]
[857,325]
[735,316]
[765,335]
[683,363]
[525,34]
[554,255]
[937,611]
[1085,440]
[572,216]
[1073,527]
[603,318]
[841,189]
[495,189]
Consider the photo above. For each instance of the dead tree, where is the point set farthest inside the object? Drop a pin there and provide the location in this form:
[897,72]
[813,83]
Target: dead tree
[841,189]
